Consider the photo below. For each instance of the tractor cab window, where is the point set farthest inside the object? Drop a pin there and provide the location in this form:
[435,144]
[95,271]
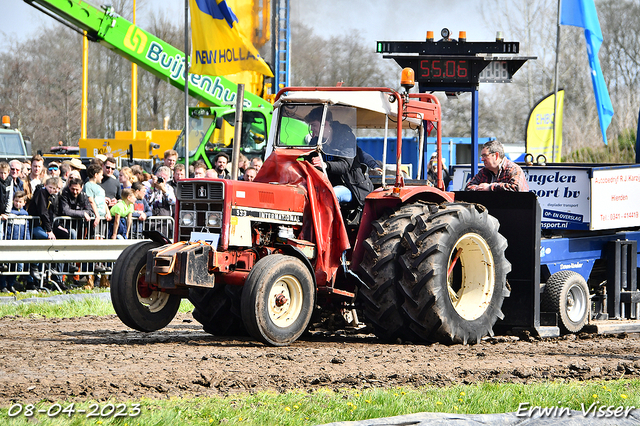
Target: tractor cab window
[331,128]
[198,127]
[209,135]
[253,133]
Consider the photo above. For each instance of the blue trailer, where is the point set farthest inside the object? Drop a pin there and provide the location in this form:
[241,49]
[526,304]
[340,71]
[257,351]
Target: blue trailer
[572,240]
[573,247]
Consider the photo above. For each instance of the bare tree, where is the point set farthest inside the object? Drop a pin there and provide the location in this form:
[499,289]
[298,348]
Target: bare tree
[345,58]
[620,23]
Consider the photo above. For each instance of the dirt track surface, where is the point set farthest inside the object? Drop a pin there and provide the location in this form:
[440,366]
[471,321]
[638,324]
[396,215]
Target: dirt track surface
[98,357]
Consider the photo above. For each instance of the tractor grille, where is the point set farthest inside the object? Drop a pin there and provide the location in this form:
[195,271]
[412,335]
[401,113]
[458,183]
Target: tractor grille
[199,198]
[200,191]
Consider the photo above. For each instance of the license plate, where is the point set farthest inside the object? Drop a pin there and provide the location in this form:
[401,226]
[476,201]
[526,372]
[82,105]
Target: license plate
[207,237]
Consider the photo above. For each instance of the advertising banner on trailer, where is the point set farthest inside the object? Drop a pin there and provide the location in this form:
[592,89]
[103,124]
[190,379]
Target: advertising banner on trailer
[563,194]
[614,197]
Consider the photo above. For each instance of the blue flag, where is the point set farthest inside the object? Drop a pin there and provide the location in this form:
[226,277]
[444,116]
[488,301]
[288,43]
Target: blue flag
[582,13]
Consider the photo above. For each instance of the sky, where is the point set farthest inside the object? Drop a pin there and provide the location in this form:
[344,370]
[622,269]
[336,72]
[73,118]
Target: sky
[374,19]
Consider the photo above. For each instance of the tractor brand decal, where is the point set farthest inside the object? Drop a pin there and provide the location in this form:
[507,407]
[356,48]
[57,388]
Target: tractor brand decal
[135,39]
[201,190]
[269,215]
[175,66]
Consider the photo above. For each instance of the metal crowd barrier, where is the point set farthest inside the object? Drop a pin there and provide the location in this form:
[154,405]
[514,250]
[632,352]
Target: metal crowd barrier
[88,250]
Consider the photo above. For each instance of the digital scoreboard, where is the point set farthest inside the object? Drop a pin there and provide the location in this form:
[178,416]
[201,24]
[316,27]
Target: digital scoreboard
[454,64]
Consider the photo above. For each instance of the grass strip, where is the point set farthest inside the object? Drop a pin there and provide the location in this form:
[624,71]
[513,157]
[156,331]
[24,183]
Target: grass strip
[325,405]
[66,309]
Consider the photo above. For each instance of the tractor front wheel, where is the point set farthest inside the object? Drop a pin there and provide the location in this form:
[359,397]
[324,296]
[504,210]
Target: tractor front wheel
[139,305]
[278,299]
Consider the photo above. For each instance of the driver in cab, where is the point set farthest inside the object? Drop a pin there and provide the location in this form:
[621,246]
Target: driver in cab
[334,135]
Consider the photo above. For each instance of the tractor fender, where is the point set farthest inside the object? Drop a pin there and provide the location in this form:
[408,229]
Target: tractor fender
[297,253]
[156,237]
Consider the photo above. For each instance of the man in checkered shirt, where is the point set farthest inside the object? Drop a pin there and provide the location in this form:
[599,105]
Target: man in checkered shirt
[499,173]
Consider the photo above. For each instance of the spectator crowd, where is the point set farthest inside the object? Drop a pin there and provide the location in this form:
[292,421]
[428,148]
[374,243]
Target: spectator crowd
[90,196]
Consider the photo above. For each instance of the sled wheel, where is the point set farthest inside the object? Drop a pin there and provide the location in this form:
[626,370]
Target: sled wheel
[454,274]
[567,294]
[137,304]
[218,309]
[381,302]
[278,299]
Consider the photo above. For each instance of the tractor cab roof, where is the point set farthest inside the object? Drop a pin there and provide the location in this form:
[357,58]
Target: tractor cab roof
[373,107]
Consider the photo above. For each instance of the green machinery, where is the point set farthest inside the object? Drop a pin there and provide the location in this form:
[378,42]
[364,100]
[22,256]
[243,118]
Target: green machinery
[104,26]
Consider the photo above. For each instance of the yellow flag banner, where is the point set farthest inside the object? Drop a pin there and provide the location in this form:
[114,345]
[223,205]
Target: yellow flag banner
[218,46]
[539,137]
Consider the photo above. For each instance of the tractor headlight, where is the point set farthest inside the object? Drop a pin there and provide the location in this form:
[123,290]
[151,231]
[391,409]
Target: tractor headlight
[187,218]
[214,219]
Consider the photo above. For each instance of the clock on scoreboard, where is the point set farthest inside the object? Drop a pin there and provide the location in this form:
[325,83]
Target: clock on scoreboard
[450,63]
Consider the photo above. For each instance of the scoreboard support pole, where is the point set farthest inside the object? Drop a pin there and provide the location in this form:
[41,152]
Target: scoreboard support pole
[474,132]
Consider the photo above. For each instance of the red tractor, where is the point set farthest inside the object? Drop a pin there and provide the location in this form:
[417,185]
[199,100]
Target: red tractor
[260,257]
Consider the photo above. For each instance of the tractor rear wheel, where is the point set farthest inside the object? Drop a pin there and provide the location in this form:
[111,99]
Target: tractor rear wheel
[381,302]
[454,274]
[567,294]
[218,309]
[278,299]
[139,305]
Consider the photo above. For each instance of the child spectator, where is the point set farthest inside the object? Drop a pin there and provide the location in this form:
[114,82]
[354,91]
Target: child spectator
[126,177]
[44,204]
[17,229]
[123,208]
[141,209]
[5,189]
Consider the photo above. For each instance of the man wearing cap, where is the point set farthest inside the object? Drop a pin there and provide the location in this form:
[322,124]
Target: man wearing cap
[53,169]
[76,164]
[220,166]
[76,168]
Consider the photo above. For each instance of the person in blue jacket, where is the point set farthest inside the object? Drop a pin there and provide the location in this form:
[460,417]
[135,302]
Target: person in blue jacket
[17,229]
